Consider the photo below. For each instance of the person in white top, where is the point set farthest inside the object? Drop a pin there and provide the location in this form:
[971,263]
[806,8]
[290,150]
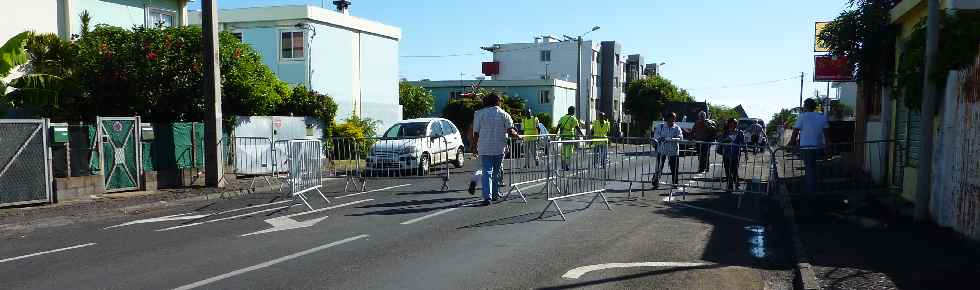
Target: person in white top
[491,126]
[666,136]
[809,133]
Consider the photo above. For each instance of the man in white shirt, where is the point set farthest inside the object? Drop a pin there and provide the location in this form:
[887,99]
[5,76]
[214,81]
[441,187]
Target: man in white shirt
[666,136]
[809,131]
[491,126]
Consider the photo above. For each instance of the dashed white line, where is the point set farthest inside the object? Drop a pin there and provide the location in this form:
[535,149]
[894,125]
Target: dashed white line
[267,264]
[46,252]
[418,219]
[370,191]
[328,208]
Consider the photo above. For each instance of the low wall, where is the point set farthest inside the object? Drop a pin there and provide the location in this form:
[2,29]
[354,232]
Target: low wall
[80,187]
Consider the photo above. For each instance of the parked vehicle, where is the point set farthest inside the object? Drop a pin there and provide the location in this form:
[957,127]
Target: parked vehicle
[416,145]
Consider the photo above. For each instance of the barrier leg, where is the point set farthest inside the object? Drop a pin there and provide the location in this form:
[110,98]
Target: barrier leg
[604,200]
[302,198]
[323,196]
[559,210]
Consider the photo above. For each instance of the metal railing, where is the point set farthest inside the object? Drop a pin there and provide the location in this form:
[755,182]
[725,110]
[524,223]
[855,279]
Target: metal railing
[526,163]
[841,168]
[580,168]
[304,159]
[361,159]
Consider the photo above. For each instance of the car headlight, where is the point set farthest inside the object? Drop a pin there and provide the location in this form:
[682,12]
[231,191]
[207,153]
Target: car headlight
[409,150]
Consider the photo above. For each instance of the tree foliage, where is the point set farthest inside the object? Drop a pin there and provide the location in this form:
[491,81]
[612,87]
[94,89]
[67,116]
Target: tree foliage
[645,100]
[154,72]
[304,102]
[959,33]
[780,120]
[460,110]
[720,113]
[864,34]
[417,102]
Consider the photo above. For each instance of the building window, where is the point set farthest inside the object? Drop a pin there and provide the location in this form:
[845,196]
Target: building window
[237,35]
[455,95]
[616,81]
[160,17]
[544,97]
[545,55]
[292,45]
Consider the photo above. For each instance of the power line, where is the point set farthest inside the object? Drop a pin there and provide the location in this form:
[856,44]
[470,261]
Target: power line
[746,84]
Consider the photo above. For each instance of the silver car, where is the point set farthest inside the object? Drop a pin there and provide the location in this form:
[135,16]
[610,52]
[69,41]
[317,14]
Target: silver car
[416,145]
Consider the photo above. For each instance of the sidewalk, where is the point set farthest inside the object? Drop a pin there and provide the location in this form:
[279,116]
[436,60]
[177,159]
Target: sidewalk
[872,249]
[15,221]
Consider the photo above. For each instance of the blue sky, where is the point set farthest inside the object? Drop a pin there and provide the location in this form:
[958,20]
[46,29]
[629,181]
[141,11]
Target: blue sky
[720,50]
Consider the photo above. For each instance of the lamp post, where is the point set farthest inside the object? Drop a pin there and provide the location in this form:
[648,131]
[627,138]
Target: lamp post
[578,73]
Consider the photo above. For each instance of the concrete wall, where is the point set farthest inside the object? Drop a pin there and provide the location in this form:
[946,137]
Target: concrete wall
[78,187]
[121,13]
[378,79]
[39,16]
[332,65]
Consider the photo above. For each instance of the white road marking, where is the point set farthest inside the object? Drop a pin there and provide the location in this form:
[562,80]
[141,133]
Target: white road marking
[283,223]
[370,191]
[251,207]
[46,252]
[578,272]
[268,263]
[227,218]
[179,217]
[415,220]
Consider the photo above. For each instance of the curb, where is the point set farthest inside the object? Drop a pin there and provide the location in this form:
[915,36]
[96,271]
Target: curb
[807,278]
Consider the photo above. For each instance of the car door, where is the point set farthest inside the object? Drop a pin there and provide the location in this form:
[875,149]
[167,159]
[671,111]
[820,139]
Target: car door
[455,139]
[436,145]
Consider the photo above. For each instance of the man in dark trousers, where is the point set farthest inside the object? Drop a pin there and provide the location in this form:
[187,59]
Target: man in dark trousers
[704,131]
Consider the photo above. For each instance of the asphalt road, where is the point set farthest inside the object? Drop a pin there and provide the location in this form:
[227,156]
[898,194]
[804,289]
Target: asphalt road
[407,234]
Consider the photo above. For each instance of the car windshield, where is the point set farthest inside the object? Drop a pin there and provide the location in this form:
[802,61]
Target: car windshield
[406,130]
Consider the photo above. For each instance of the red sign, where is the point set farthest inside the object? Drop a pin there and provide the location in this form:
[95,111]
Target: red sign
[277,123]
[828,68]
[491,68]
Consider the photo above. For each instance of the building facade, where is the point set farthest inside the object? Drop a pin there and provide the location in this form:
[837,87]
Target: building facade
[61,17]
[611,79]
[550,58]
[550,96]
[634,68]
[353,60]
[651,69]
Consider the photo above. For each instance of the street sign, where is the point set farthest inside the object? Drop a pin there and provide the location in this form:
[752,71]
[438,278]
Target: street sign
[817,45]
[828,68]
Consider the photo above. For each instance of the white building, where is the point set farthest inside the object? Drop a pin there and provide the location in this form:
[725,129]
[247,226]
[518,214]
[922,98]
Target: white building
[550,58]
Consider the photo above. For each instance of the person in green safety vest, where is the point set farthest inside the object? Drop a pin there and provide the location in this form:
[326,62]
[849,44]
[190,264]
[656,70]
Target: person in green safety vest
[600,150]
[530,127]
[568,129]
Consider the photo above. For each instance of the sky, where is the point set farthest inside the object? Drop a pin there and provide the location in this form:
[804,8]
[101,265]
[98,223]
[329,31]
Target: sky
[748,52]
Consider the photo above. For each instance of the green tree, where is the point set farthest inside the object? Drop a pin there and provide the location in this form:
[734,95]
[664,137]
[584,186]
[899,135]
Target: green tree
[784,117]
[645,100]
[546,119]
[46,83]
[417,102]
[305,102]
[721,113]
[864,34]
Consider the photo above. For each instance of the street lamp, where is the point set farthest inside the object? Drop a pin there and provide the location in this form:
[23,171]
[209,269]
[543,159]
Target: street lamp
[578,73]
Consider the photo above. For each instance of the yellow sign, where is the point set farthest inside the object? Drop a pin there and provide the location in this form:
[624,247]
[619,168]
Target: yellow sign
[817,45]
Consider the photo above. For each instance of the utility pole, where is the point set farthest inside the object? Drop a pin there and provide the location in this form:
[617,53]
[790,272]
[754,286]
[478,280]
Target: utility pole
[213,165]
[923,190]
[578,80]
[801,92]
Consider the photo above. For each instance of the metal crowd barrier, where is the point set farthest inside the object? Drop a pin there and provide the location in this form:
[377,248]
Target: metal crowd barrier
[255,157]
[383,158]
[304,166]
[743,168]
[526,163]
[578,169]
[842,168]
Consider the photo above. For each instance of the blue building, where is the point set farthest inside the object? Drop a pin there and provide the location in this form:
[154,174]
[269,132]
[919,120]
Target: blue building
[550,96]
[353,60]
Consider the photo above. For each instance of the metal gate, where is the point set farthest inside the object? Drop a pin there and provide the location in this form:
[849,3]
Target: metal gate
[121,159]
[25,165]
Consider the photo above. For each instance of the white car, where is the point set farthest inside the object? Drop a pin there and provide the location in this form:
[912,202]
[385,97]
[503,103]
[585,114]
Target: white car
[416,145]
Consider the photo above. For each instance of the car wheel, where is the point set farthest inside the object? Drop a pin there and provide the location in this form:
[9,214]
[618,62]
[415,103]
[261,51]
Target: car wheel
[459,158]
[424,164]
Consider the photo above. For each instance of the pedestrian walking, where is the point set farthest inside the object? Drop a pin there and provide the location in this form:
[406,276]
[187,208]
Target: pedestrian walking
[666,137]
[809,133]
[600,149]
[732,140]
[491,127]
[704,131]
[568,129]
[756,131]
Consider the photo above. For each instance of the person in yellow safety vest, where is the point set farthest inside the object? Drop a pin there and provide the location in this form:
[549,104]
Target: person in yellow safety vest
[530,148]
[568,129]
[600,150]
